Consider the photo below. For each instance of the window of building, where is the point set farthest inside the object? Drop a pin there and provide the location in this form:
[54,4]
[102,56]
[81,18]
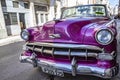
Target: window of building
[37,18]
[13,17]
[15,4]
[7,18]
[26,5]
[40,8]
[10,18]
[42,18]
[46,17]
[3,3]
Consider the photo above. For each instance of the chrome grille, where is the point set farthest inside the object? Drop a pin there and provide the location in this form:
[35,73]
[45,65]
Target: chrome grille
[70,50]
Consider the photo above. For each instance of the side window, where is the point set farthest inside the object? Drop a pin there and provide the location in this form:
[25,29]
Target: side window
[10,18]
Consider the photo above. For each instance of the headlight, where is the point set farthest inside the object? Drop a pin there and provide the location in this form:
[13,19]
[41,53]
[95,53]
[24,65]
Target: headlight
[104,36]
[25,35]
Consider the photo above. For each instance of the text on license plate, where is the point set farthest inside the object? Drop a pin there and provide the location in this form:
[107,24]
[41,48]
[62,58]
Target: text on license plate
[52,71]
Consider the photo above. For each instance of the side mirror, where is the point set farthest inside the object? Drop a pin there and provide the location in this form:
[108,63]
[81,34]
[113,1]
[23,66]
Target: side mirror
[117,16]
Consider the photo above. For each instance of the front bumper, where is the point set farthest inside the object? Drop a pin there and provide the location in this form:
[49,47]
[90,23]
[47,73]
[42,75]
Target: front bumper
[73,67]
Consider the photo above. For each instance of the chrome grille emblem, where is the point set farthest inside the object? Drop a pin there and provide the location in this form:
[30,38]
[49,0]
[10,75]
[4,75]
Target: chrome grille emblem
[53,36]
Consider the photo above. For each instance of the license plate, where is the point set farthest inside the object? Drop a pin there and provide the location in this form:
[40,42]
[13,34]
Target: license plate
[52,71]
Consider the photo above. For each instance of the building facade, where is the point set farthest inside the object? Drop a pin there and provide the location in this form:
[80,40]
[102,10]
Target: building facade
[68,3]
[21,14]
[3,32]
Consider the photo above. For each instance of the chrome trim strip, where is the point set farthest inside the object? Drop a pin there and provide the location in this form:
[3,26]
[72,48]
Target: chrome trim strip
[53,36]
[61,45]
[109,23]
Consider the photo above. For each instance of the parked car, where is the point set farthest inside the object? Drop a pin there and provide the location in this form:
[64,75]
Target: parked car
[83,41]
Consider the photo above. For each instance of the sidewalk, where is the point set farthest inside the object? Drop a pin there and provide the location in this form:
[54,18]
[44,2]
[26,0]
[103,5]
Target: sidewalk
[10,39]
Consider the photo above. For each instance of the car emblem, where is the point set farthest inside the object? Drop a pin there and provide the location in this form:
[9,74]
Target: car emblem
[54,36]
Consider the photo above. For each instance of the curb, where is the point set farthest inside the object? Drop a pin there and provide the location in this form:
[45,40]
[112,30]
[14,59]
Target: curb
[9,40]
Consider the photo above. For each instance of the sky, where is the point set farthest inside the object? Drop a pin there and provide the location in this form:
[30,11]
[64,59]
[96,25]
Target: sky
[113,2]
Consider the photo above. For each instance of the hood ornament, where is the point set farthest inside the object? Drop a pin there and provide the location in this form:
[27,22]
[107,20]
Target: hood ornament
[53,36]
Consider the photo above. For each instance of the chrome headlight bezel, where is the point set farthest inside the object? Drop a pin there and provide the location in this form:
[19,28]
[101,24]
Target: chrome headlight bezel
[101,42]
[25,34]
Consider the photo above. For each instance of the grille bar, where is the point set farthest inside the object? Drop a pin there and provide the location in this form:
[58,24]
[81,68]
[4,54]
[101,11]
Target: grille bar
[65,49]
[59,45]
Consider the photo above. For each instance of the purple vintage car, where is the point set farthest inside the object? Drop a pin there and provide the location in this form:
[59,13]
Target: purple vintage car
[83,41]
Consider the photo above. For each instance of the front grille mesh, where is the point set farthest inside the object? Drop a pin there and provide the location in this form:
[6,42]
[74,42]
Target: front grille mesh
[69,52]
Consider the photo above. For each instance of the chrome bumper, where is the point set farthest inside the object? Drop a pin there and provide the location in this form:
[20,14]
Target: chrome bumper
[72,67]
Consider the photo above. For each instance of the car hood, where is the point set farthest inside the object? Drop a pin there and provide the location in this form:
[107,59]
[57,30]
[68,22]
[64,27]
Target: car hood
[71,30]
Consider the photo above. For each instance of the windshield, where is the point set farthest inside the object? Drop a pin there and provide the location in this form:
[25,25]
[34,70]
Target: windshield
[85,11]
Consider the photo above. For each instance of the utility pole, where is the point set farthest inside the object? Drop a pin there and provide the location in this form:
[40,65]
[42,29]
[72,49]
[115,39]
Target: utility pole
[119,9]
[88,1]
[51,10]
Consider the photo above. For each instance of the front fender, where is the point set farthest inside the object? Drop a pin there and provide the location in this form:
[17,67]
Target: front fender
[89,38]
